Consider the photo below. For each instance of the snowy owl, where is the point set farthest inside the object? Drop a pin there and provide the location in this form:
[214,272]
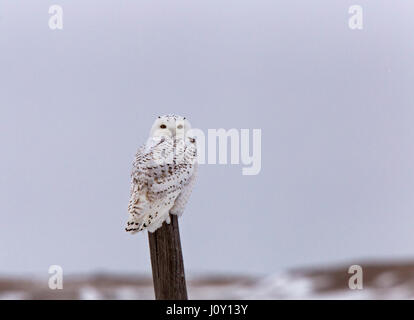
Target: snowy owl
[163,174]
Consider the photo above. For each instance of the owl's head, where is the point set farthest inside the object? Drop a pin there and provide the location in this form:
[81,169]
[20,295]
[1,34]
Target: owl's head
[171,126]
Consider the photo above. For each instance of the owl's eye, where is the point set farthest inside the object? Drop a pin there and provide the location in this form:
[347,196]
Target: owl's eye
[192,140]
[163,126]
[180,126]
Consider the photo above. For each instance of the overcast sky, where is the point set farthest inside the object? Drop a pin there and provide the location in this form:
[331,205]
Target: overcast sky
[335,107]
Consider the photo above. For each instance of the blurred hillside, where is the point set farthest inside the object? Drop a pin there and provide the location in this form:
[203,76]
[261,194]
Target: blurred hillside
[381,281]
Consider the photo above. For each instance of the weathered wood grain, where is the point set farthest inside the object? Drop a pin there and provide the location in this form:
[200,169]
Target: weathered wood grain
[167,262]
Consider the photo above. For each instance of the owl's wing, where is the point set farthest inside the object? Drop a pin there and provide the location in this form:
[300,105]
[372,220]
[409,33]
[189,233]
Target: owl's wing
[138,201]
[182,199]
[160,172]
[173,174]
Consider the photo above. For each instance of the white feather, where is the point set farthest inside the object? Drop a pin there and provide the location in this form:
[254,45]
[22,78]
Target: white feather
[163,176]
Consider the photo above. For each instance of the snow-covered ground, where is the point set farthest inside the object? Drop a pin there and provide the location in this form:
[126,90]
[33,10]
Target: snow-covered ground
[380,281]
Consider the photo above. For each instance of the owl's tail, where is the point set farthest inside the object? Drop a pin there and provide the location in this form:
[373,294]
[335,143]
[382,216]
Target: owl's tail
[135,224]
[137,205]
[151,222]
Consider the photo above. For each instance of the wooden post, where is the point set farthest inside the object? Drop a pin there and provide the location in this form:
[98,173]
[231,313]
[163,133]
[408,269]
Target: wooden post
[167,262]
